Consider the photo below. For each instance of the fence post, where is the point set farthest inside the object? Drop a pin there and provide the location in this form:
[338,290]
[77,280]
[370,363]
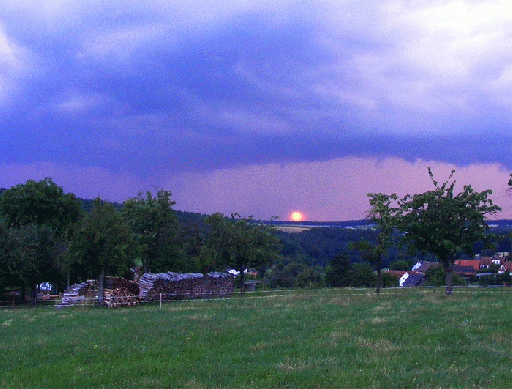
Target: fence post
[160,300]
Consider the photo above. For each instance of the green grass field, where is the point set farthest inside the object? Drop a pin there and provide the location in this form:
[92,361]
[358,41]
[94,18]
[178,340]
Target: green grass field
[330,338]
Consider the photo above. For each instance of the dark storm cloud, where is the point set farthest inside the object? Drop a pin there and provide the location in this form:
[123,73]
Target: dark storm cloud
[153,87]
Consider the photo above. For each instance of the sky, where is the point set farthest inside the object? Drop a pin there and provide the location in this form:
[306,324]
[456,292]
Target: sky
[257,107]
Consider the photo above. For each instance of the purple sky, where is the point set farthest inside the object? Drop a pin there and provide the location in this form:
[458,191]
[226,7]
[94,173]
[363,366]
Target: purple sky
[257,107]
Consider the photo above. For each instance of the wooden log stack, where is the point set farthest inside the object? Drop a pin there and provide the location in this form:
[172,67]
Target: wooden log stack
[119,291]
[78,294]
[185,285]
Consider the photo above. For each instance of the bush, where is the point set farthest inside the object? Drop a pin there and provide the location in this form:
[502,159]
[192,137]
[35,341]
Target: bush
[389,280]
[496,279]
[338,271]
[400,264]
[288,273]
[362,275]
[436,276]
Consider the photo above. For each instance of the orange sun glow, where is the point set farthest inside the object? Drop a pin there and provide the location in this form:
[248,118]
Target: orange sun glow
[297,216]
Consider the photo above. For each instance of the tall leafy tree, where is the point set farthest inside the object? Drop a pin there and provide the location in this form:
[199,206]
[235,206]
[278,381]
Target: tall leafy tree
[41,203]
[103,244]
[384,212]
[5,276]
[445,223]
[154,224]
[28,256]
[39,218]
[215,250]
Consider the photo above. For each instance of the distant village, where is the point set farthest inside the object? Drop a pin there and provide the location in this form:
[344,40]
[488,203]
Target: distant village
[470,269]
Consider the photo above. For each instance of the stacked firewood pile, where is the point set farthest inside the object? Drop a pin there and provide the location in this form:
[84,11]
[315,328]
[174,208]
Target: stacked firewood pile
[122,292]
[119,291]
[78,293]
[187,285]
[222,284]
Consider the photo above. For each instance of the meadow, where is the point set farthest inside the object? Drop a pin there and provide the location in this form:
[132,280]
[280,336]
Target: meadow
[328,338]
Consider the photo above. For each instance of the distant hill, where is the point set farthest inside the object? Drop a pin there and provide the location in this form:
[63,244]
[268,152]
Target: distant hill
[501,225]
[354,224]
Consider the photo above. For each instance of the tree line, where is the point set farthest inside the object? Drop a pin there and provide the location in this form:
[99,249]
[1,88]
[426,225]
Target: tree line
[47,235]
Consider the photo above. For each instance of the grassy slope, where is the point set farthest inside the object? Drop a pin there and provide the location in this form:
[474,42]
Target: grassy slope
[298,339]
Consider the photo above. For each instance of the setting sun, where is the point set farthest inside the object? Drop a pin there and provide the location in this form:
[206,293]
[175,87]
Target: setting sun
[297,216]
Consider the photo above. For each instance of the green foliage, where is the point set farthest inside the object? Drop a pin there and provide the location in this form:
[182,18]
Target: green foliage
[362,275]
[446,223]
[495,279]
[296,272]
[190,239]
[237,243]
[400,264]
[40,203]
[385,215]
[6,278]
[154,225]
[320,245]
[102,244]
[337,272]
[389,280]
[28,256]
[436,276]
[38,219]
[341,273]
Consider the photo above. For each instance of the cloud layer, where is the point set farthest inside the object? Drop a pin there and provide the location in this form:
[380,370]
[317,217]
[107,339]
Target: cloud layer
[152,91]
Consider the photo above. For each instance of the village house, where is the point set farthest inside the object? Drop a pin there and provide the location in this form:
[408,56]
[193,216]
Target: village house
[485,262]
[506,267]
[424,266]
[411,279]
[468,268]
[474,264]
[414,277]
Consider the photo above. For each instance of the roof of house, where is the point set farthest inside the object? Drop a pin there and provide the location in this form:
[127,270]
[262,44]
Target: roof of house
[425,266]
[473,263]
[464,270]
[396,273]
[414,279]
[487,261]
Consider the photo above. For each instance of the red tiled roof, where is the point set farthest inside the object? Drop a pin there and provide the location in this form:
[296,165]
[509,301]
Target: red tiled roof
[474,263]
